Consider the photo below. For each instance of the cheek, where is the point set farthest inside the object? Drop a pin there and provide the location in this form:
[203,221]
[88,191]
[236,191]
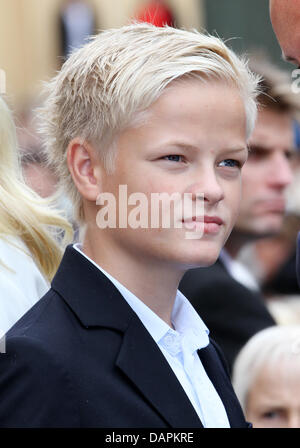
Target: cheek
[233,194]
[252,173]
[157,184]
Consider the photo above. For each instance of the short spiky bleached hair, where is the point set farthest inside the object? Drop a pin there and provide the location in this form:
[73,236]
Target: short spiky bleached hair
[102,87]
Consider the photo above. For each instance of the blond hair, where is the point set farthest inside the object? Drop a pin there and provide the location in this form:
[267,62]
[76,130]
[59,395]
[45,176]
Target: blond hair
[23,214]
[102,87]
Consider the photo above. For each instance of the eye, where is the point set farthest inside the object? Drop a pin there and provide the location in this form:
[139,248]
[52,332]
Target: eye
[230,163]
[257,153]
[272,414]
[290,155]
[173,158]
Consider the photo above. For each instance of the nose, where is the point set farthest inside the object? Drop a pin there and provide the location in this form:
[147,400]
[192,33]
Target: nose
[280,174]
[209,189]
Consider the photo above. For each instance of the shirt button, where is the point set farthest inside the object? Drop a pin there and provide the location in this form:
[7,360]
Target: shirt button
[169,339]
[172,343]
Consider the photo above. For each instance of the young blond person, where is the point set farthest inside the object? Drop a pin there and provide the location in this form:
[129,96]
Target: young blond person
[113,343]
[29,250]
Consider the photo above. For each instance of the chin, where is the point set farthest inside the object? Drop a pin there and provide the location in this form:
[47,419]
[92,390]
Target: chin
[209,261]
[202,256]
[267,230]
[261,228]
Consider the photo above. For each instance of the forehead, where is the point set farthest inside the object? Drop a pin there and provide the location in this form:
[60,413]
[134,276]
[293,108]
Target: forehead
[191,113]
[280,377]
[192,102]
[273,129]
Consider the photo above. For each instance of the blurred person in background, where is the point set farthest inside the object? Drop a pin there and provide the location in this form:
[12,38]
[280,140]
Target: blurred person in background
[157,12]
[227,294]
[285,17]
[266,378]
[285,309]
[37,174]
[273,259]
[29,251]
[77,23]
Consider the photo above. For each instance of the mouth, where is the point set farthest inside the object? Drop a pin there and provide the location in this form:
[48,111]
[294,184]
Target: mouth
[205,224]
[273,205]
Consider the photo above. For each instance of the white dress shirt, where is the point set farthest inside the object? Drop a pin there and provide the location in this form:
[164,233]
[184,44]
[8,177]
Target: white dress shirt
[21,282]
[180,347]
[239,271]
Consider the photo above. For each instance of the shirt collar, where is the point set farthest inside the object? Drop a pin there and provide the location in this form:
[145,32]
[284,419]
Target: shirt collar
[188,323]
[185,319]
[239,271]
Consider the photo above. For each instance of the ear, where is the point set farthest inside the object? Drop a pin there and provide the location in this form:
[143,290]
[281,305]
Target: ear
[84,167]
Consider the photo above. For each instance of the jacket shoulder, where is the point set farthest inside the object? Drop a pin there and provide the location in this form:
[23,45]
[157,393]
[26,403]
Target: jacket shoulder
[31,379]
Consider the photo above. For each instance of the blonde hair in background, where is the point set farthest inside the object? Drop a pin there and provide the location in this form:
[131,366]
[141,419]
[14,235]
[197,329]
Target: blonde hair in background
[103,86]
[23,213]
[274,347]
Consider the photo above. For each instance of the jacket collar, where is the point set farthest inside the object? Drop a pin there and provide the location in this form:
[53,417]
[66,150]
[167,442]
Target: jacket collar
[89,293]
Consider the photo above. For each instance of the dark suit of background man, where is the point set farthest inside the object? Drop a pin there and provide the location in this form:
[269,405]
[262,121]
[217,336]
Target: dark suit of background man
[114,343]
[227,295]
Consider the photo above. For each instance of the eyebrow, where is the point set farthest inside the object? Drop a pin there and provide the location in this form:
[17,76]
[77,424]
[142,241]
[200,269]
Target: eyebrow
[188,146]
[259,148]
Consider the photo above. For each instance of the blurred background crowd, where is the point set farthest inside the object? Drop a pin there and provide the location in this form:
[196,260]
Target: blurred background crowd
[36,38]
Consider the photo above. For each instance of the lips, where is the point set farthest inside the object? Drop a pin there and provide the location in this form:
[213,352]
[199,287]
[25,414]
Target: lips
[205,219]
[273,205]
[213,219]
[206,225]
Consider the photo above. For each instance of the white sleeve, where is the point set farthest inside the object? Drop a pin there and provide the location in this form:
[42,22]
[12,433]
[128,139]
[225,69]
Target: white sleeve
[21,282]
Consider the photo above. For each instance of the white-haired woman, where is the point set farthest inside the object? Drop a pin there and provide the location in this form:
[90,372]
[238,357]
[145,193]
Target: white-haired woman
[266,377]
[29,226]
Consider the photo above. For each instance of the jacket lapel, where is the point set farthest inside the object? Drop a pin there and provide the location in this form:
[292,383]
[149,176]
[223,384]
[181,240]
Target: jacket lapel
[144,364]
[217,375]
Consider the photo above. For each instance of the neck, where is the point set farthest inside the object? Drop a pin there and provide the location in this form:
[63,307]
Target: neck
[154,283]
[236,242]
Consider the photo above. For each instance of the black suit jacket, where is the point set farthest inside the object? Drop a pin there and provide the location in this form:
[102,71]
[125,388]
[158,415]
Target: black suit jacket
[232,312]
[82,358]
